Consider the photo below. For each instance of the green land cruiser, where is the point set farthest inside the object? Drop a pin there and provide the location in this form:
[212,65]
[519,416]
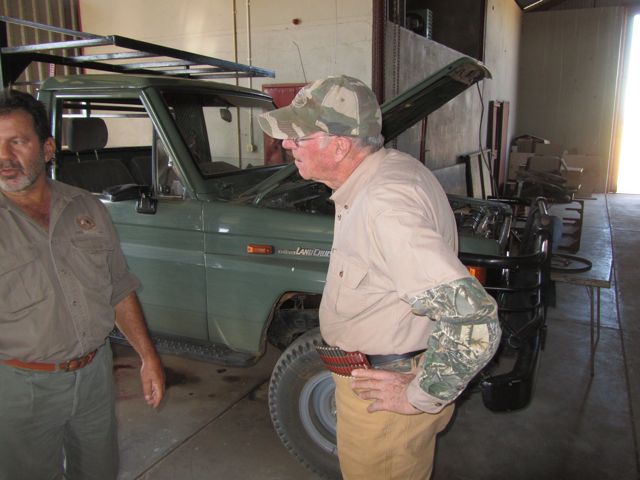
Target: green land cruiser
[232,252]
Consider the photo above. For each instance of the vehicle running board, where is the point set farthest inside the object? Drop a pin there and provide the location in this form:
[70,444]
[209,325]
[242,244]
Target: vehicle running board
[213,353]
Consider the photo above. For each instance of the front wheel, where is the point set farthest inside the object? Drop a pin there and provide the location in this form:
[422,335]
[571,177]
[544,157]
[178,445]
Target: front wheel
[302,406]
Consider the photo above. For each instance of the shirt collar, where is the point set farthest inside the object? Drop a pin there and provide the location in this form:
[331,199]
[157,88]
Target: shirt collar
[62,190]
[4,203]
[360,177]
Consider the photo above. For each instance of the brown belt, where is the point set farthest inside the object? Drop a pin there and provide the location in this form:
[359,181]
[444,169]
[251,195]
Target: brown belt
[69,366]
[338,361]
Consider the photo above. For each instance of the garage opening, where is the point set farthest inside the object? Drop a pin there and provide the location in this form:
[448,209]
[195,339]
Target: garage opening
[629,173]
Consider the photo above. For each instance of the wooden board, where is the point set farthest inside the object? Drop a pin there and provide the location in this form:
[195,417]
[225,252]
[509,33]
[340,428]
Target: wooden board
[479,181]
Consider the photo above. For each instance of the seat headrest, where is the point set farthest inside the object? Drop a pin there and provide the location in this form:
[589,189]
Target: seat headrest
[84,134]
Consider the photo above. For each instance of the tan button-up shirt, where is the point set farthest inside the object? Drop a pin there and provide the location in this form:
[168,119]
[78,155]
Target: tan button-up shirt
[395,237]
[58,288]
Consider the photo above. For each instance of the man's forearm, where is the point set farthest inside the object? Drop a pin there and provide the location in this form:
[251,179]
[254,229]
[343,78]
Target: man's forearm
[465,337]
[130,321]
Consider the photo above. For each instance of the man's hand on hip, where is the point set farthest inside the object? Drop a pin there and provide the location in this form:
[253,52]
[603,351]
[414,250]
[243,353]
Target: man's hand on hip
[387,389]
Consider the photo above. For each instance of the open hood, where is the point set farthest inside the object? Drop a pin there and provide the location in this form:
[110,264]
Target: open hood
[411,106]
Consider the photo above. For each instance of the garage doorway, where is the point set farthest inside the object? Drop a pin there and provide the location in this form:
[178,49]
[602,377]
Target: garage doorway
[629,172]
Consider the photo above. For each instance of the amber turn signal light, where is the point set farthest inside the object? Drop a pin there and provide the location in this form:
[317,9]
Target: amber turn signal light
[479,272]
[259,249]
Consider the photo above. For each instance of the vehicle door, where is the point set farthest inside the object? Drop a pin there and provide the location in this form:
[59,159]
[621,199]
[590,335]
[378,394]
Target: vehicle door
[109,145]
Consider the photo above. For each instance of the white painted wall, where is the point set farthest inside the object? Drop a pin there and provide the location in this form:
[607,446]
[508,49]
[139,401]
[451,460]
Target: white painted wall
[503,29]
[333,36]
[330,37]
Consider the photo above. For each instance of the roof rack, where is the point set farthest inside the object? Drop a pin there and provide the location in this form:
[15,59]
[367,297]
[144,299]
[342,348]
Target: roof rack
[154,59]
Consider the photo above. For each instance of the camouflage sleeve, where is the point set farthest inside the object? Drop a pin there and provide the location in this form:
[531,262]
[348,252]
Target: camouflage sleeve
[465,338]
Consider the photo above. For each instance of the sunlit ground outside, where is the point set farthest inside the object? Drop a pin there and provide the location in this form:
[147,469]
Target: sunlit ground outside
[629,175]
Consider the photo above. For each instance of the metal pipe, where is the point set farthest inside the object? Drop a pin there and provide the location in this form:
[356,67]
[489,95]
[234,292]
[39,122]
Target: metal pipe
[235,58]
[378,49]
[249,38]
[249,60]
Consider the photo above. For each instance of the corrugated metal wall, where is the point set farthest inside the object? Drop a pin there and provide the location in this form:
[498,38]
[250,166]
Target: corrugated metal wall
[59,13]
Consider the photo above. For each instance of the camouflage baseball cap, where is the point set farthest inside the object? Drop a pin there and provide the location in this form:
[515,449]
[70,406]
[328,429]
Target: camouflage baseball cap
[336,105]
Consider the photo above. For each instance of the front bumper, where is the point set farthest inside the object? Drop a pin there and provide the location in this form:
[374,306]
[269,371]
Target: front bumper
[513,390]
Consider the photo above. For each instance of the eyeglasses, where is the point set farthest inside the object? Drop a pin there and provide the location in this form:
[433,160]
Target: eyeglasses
[297,141]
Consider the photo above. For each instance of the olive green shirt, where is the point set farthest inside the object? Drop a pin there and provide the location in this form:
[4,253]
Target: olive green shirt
[59,288]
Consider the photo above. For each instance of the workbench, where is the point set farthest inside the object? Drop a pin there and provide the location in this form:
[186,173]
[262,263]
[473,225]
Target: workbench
[594,244]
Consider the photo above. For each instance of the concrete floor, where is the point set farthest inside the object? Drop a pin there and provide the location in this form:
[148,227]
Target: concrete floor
[215,421]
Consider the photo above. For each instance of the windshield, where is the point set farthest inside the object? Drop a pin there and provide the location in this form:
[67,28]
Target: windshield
[105,142]
[222,133]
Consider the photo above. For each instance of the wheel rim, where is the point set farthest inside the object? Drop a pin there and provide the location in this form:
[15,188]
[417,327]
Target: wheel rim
[317,407]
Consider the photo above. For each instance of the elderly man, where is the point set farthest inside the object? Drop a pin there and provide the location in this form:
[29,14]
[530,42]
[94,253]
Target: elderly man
[396,298]
[63,280]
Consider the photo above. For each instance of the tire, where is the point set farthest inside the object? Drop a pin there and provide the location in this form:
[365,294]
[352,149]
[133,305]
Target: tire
[302,406]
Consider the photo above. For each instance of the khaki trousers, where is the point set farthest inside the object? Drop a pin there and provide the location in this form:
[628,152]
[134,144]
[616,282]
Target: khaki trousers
[384,445]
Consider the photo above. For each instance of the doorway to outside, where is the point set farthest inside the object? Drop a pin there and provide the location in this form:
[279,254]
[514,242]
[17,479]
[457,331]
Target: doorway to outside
[629,172]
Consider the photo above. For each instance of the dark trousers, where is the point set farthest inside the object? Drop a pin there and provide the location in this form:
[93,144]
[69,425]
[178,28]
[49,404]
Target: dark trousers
[59,425]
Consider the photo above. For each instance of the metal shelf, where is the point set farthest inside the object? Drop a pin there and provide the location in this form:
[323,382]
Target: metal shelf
[158,60]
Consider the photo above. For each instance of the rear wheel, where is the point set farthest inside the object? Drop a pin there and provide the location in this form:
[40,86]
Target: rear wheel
[302,406]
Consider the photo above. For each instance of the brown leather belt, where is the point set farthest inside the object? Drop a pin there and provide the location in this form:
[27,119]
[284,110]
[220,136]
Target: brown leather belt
[69,366]
[343,363]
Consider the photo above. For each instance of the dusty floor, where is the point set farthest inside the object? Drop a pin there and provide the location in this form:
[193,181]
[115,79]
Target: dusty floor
[215,422]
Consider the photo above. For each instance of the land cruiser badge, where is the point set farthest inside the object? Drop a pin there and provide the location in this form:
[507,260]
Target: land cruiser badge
[306,252]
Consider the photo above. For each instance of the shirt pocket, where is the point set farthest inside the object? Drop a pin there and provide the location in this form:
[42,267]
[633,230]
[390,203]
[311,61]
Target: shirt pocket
[23,283]
[346,290]
[91,261]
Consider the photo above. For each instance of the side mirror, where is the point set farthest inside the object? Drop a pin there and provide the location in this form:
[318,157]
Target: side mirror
[146,203]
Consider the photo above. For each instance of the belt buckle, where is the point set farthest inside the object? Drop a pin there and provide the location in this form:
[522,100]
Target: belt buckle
[402,365]
[71,365]
[75,364]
